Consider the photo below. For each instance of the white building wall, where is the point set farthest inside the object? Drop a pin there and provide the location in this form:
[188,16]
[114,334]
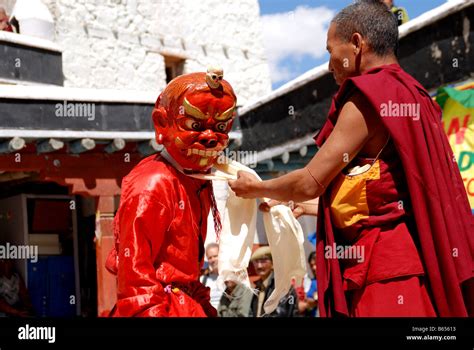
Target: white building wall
[7,5]
[119,44]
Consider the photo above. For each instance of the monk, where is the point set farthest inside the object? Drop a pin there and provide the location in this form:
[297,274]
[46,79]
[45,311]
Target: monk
[394,225]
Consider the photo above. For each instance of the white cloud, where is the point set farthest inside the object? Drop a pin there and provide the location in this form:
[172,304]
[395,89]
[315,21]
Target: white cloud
[292,35]
[280,73]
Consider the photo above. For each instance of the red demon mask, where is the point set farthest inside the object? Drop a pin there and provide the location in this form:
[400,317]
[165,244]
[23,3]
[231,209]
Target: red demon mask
[193,117]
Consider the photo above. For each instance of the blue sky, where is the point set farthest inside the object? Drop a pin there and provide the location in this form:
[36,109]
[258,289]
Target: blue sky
[295,32]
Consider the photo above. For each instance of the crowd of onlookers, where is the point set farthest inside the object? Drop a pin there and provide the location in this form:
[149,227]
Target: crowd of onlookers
[238,300]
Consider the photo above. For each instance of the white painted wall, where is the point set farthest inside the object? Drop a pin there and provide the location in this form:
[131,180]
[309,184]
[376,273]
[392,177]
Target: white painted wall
[7,5]
[118,44]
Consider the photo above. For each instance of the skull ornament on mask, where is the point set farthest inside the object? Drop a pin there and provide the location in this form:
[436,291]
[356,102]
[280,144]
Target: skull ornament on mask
[192,119]
[214,77]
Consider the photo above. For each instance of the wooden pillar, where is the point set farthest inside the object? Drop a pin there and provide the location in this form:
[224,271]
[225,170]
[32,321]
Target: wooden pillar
[106,282]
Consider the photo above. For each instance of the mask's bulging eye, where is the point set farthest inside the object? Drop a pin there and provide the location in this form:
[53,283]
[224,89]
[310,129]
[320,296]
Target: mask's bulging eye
[221,126]
[192,124]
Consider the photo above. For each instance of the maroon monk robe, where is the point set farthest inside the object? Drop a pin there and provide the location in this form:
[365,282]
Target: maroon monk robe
[445,226]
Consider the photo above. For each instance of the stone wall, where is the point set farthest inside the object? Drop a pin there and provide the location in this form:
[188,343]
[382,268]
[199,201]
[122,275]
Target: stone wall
[119,44]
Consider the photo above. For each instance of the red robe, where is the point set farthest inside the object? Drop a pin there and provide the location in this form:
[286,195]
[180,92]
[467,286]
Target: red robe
[160,229]
[372,219]
[444,225]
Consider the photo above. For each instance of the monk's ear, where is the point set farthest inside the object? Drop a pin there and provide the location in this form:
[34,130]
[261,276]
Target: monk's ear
[357,42]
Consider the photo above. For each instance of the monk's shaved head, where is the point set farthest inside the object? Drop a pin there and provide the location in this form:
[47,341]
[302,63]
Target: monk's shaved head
[373,21]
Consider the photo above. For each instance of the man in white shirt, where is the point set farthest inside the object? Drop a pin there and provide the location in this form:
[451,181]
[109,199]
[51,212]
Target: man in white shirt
[209,278]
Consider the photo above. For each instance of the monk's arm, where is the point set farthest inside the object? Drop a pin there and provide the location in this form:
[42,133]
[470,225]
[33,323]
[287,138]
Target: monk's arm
[350,134]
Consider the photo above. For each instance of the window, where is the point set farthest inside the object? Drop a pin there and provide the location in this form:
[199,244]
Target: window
[174,66]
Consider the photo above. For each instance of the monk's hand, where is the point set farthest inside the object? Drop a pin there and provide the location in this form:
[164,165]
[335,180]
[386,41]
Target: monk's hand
[298,209]
[246,185]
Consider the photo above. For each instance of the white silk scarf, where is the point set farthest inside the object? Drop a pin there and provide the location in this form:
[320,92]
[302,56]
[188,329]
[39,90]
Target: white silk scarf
[284,235]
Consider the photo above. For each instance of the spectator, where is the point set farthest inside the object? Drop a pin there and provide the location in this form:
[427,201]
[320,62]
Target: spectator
[4,22]
[308,306]
[209,278]
[14,298]
[235,302]
[399,12]
[263,264]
